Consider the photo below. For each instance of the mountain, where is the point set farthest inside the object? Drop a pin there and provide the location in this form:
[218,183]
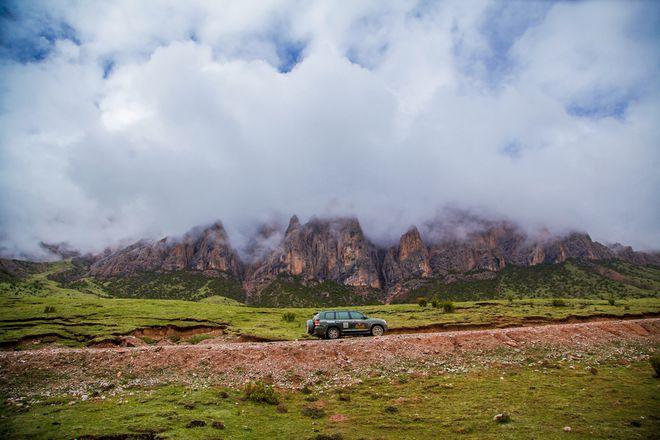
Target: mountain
[332,262]
[205,250]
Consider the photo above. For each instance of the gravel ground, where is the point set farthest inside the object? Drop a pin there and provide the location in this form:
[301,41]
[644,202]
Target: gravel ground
[321,363]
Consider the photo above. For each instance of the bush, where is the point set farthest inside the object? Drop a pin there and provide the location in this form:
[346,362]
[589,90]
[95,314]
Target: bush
[509,296]
[196,339]
[448,307]
[435,302]
[288,316]
[335,436]
[175,338]
[391,409]
[558,302]
[421,301]
[49,309]
[281,408]
[655,362]
[611,301]
[261,393]
[306,390]
[313,412]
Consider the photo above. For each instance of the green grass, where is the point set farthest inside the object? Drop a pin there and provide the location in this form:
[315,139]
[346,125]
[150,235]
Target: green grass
[290,292]
[572,279]
[540,402]
[79,320]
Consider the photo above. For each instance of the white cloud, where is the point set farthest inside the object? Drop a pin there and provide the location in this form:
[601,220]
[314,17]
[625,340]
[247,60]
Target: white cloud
[162,115]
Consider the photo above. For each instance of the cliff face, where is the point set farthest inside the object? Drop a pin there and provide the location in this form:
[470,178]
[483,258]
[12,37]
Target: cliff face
[337,250]
[207,250]
[627,254]
[410,259]
[319,250]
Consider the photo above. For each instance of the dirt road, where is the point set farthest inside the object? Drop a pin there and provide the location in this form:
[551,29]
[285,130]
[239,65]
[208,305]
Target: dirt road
[331,363]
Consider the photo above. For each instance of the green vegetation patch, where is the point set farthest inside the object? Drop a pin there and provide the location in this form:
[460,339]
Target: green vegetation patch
[620,402]
[288,291]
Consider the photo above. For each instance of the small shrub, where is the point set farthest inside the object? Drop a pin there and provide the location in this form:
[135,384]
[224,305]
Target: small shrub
[217,424]
[175,338]
[655,362]
[435,303]
[260,392]
[196,424]
[448,307]
[558,302]
[306,390]
[344,397]
[313,412]
[49,309]
[281,408]
[223,394]
[421,301]
[509,296]
[311,399]
[288,316]
[148,340]
[611,301]
[391,409]
[196,339]
[335,436]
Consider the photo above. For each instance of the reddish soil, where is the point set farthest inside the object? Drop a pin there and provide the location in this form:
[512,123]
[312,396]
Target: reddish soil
[295,363]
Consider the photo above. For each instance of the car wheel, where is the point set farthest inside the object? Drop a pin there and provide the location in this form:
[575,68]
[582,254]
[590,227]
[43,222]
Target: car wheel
[333,333]
[377,330]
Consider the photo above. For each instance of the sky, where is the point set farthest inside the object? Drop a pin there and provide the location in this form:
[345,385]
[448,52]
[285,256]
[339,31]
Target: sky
[122,120]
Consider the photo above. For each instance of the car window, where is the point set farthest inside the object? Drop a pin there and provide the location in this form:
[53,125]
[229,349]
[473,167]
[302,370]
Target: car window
[342,315]
[329,315]
[356,315]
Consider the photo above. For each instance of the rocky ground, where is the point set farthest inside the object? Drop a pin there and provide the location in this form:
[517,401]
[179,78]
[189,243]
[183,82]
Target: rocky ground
[95,372]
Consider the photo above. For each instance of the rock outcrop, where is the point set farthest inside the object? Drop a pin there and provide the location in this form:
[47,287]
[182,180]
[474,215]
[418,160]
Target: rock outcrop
[626,253]
[201,249]
[320,250]
[337,250]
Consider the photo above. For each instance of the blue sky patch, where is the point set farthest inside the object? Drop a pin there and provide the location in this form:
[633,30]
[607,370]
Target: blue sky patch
[290,53]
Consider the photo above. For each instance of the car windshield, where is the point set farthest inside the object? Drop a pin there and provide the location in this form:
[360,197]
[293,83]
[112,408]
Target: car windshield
[357,315]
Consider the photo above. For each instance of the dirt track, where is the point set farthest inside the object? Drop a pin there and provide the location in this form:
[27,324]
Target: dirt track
[295,363]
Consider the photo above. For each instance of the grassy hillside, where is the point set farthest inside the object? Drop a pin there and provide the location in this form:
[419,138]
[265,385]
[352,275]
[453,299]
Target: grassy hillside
[571,279]
[290,292]
[79,319]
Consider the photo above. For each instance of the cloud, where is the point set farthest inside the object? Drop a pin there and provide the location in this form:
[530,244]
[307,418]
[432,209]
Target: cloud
[128,119]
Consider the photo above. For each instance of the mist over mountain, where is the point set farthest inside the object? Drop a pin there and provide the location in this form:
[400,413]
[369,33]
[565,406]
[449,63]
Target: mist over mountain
[131,120]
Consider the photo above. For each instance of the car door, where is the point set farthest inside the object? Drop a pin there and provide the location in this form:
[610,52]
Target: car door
[358,323]
[344,321]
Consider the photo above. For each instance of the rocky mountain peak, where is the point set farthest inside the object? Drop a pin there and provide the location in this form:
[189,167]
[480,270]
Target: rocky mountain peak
[294,224]
[204,249]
